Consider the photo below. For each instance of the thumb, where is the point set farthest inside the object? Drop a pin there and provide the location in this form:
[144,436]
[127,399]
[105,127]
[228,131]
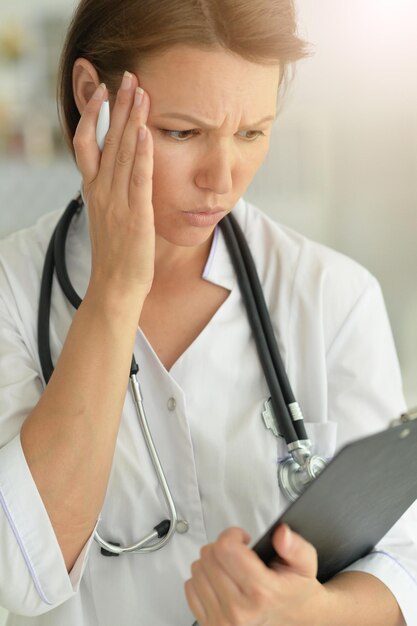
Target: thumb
[296,552]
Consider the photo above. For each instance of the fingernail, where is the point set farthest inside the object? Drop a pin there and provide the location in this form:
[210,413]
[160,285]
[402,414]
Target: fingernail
[99,92]
[127,80]
[142,132]
[139,96]
[287,538]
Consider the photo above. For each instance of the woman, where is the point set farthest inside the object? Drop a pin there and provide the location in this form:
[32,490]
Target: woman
[156,280]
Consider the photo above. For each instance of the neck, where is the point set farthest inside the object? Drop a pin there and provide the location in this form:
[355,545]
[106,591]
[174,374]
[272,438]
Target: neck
[173,262]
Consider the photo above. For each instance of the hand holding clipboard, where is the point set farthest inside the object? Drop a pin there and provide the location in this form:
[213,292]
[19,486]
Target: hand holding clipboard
[357,498]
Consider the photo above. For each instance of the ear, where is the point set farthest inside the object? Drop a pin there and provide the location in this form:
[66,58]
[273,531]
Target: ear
[85,81]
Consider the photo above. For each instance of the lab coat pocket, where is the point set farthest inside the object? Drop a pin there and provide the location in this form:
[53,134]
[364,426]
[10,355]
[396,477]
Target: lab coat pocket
[323,437]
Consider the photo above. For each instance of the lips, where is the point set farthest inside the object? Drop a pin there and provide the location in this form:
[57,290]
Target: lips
[204,216]
[208,210]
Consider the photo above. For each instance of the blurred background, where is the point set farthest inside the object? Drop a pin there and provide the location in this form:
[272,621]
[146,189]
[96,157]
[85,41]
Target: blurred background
[342,168]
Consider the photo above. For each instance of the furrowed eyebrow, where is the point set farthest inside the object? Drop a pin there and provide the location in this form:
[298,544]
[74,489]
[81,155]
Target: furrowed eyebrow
[194,120]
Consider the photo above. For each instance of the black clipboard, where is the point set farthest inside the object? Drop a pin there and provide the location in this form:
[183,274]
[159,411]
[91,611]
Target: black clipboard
[355,501]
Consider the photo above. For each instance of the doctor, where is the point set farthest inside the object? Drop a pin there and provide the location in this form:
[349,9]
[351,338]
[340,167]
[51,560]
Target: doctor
[156,279]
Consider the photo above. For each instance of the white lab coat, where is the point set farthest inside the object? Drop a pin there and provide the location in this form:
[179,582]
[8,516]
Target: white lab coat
[205,416]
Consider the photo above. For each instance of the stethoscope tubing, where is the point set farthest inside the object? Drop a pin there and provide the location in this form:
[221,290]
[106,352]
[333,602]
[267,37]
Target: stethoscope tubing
[286,411]
[60,255]
[252,294]
[265,318]
[141,546]
[44,345]
[55,257]
[281,393]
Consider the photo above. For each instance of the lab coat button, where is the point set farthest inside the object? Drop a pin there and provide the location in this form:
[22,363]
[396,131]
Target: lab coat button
[172,403]
[182,526]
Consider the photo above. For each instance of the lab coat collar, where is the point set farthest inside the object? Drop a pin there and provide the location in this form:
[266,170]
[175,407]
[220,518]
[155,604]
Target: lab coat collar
[219,269]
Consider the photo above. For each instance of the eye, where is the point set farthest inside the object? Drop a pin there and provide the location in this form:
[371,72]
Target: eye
[186,134]
[182,139]
[258,133]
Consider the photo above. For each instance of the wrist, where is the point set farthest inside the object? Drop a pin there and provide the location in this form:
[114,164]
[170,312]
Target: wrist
[115,302]
[318,606]
[327,607]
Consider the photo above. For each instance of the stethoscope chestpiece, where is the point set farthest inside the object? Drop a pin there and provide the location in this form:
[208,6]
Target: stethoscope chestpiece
[299,470]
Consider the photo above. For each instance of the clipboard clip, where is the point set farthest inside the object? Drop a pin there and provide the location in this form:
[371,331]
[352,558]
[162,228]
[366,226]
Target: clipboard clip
[405,418]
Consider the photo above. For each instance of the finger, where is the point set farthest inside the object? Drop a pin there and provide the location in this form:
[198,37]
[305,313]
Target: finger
[235,534]
[223,586]
[132,158]
[87,153]
[296,552]
[194,602]
[141,182]
[240,563]
[118,119]
[204,590]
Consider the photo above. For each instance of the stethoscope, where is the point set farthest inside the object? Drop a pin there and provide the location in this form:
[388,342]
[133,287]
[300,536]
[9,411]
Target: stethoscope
[282,413]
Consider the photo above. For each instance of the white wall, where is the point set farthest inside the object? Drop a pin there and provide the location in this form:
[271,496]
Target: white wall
[344,160]
[28,7]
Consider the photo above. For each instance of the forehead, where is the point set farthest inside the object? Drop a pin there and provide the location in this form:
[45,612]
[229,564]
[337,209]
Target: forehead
[211,81]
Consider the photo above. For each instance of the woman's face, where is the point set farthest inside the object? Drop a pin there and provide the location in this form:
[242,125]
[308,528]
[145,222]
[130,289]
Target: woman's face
[208,161]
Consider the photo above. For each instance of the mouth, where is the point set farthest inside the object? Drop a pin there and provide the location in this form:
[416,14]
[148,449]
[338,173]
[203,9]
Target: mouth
[207,210]
[205,216]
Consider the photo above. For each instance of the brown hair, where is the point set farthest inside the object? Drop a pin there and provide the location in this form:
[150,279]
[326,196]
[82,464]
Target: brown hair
[115,35]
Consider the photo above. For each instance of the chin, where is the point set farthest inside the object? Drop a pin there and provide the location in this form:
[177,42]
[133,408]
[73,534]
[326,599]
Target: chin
[188,237]
[180,230]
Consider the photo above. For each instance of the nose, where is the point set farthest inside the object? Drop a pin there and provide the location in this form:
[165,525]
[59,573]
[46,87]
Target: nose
[215,170]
